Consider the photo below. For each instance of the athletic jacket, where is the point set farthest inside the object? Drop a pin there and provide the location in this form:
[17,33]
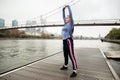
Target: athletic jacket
[67,29]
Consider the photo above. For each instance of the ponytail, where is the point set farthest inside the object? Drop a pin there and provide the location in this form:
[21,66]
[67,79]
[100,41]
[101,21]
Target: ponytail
[72,29]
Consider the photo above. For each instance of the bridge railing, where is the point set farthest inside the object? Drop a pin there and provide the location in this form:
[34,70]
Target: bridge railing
[95,21]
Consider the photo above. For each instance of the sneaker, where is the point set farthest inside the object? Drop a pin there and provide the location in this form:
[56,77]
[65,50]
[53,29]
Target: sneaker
[64,68]
[74,74]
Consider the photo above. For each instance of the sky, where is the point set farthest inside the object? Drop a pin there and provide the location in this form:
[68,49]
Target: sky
[23,10]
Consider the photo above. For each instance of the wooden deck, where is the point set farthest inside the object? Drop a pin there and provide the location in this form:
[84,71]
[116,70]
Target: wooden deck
[91,66]
[113,54]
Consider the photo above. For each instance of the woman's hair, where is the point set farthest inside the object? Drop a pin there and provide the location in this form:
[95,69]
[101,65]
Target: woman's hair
[72,29]
[72,26]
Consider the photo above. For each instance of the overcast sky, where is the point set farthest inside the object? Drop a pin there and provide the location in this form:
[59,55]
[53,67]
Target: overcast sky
[23,10]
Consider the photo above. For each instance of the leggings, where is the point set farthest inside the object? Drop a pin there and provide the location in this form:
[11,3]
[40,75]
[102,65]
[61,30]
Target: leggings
[68,49]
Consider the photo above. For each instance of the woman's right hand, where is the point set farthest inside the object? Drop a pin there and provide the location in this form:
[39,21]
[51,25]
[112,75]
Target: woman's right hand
[64,6]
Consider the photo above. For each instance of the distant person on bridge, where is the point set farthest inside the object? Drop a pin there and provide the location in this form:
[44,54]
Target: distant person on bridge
[68,46]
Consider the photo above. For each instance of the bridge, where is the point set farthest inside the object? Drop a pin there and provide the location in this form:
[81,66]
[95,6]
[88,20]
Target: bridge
[112,22]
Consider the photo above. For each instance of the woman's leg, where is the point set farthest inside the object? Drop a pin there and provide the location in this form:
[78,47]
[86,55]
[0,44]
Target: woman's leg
[71,53]
[72,57]
[65,51]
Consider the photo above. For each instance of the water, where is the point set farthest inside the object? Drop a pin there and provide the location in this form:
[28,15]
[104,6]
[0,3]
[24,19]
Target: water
[14,53]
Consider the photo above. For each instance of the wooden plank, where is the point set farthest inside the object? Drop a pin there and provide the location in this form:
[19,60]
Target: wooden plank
[91,66]
[113,54]
[13,76]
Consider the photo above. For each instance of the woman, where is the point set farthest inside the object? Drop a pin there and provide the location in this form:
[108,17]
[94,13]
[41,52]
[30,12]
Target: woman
[68,47]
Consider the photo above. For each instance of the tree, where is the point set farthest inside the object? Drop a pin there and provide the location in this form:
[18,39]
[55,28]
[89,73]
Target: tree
[113,34]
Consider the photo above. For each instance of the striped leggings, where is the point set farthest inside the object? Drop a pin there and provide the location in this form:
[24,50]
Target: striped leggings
[68,49]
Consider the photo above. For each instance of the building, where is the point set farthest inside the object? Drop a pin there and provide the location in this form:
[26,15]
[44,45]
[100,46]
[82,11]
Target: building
[28,23]
[31,31]
[14,23]
[33,22]
[42,21]
[2,22]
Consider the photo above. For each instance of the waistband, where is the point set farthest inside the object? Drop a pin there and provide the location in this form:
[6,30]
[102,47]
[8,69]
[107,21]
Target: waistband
[67,38]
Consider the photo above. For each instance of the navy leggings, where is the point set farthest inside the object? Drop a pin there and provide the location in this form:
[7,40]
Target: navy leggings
[68,49]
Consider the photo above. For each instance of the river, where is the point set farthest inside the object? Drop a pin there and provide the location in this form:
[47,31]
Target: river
[14,53]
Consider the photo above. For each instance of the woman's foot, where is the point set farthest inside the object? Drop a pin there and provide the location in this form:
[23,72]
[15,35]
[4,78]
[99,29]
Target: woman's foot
[64,68]
[74,74]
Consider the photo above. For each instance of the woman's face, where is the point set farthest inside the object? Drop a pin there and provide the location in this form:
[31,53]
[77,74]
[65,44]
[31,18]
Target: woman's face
[67,20]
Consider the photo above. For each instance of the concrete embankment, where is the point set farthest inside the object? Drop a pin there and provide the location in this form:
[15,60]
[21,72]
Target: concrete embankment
[112,41]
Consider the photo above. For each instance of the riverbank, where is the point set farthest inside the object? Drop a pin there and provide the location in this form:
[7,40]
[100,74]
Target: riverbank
[109,40]
[29,39]
[16,34]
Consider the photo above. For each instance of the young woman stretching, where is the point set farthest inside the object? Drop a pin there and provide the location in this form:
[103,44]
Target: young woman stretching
[68,46]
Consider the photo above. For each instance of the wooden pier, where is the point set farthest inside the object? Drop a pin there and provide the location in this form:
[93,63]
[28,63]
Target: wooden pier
[91,66]
[113,54]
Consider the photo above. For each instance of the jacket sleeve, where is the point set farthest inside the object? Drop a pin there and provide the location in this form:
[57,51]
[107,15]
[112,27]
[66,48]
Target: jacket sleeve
[71,17]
